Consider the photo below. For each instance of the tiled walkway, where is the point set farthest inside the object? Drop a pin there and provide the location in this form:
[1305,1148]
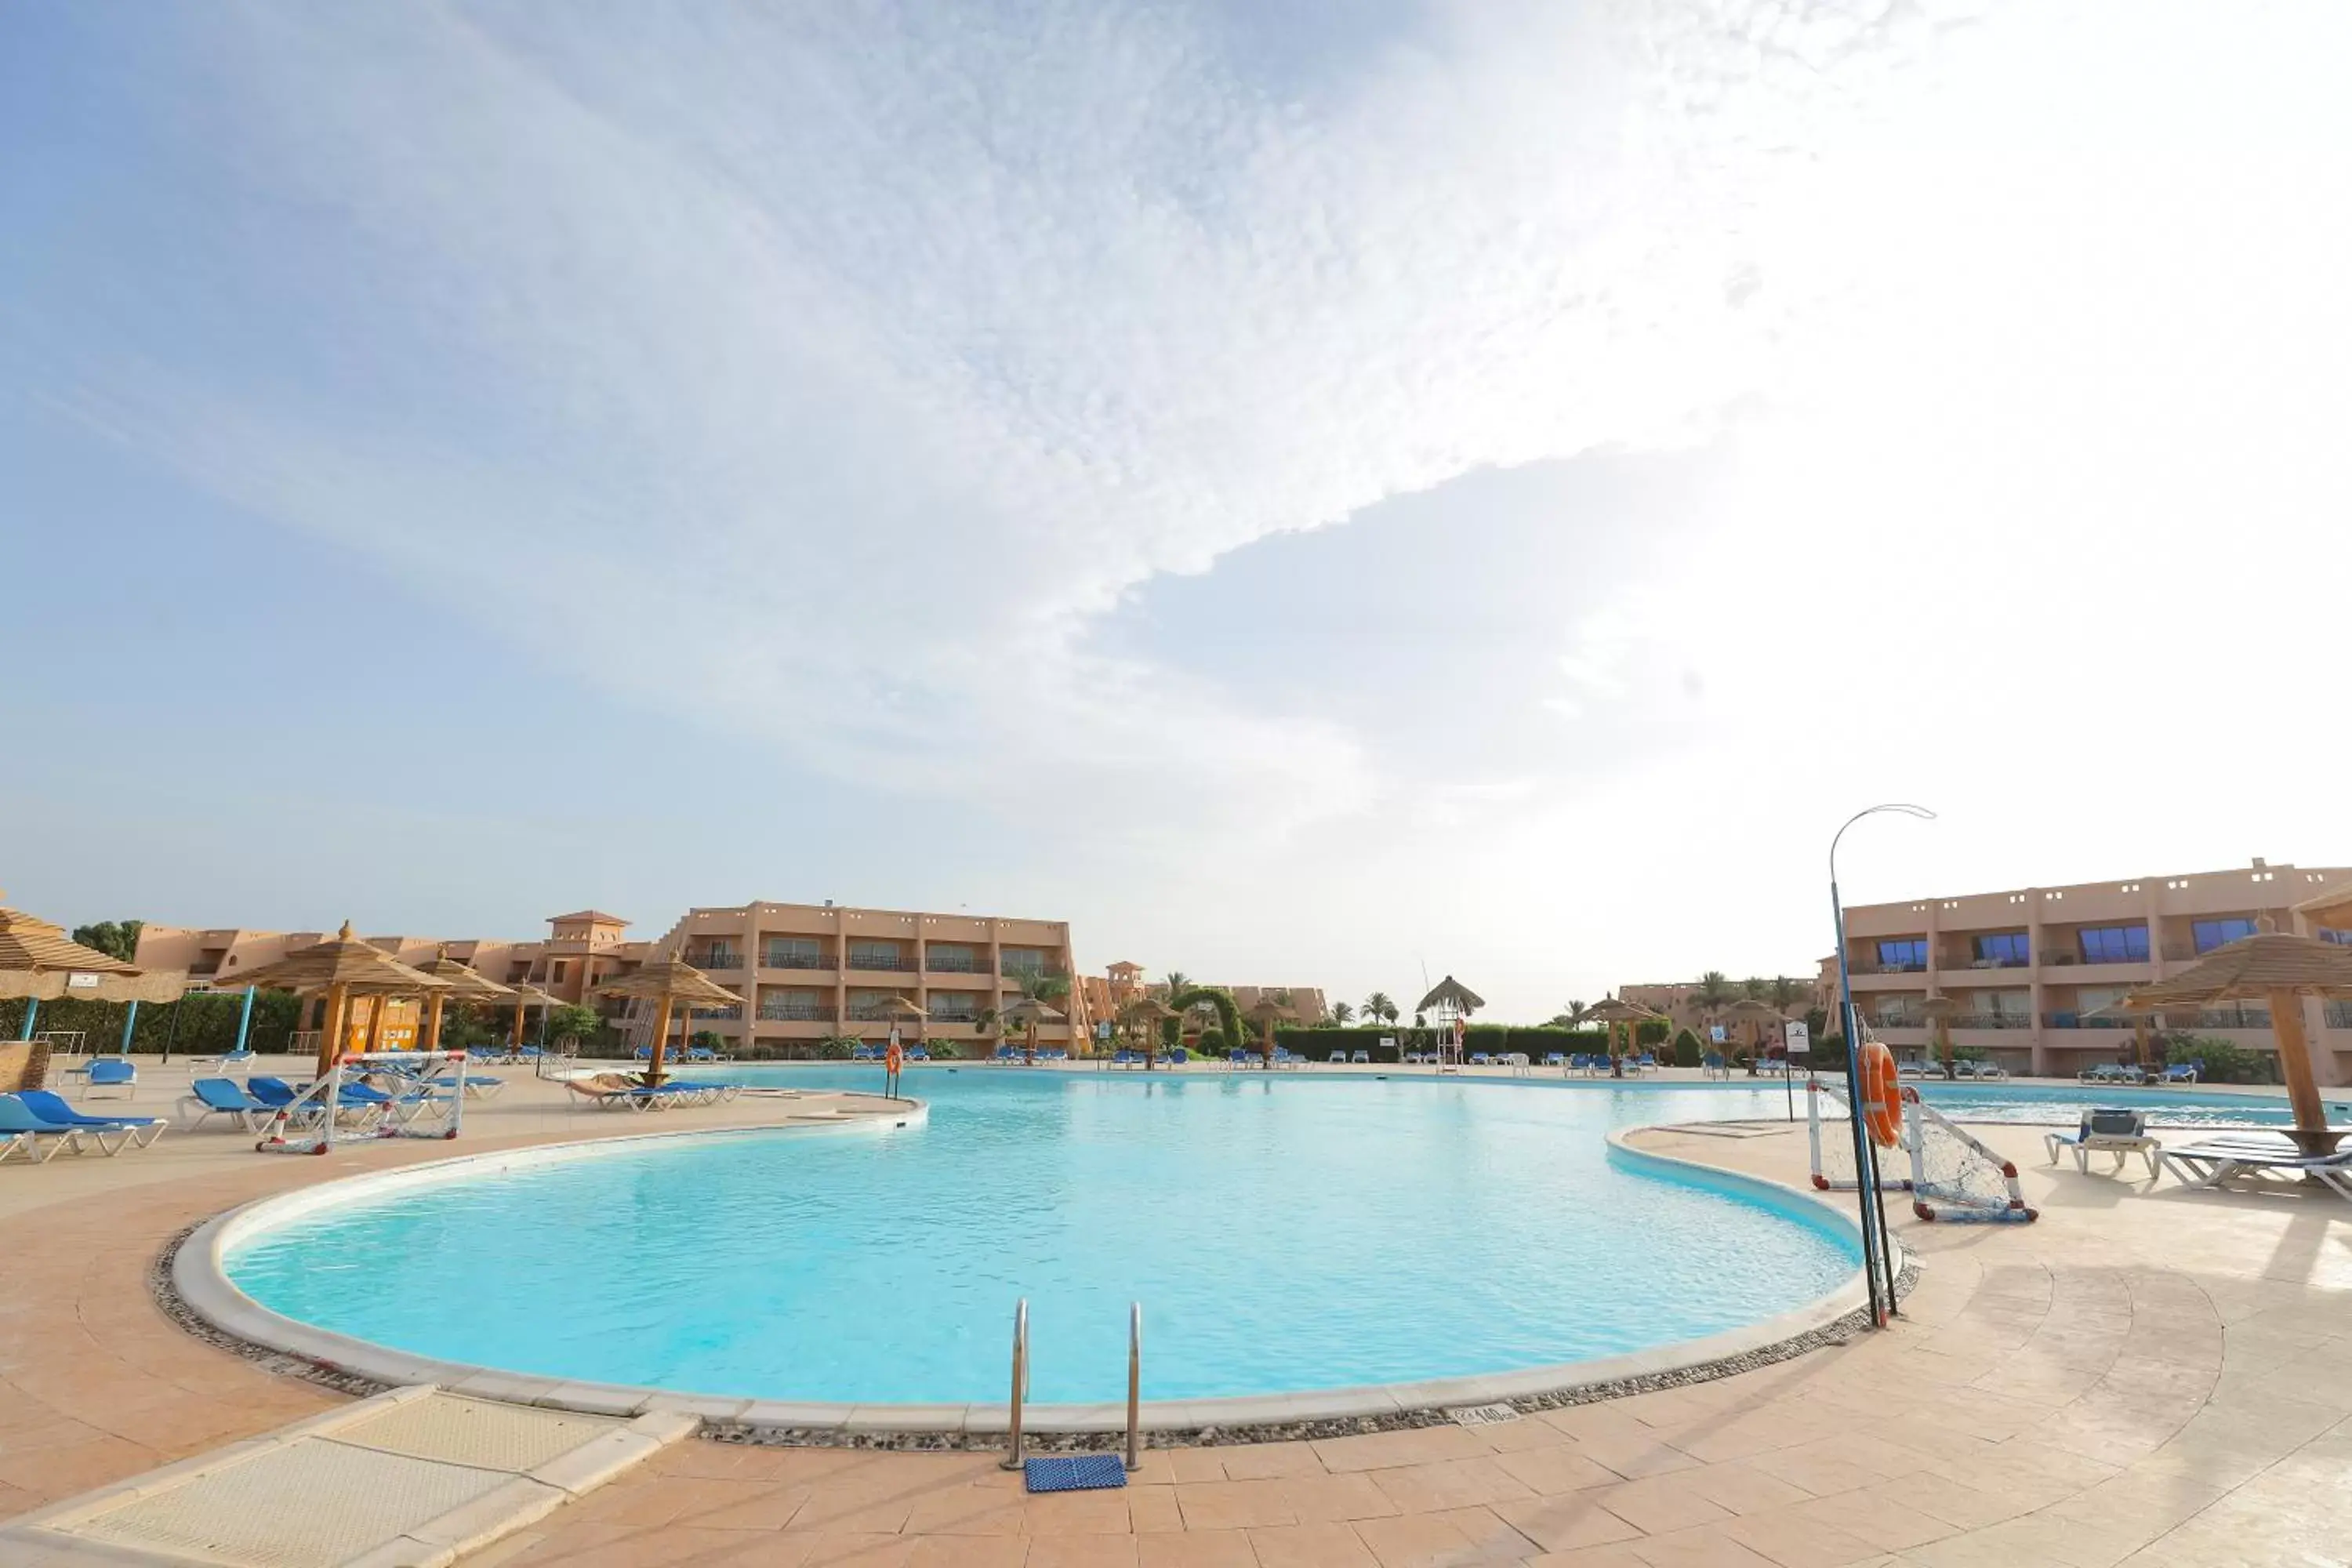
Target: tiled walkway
[2157,1379]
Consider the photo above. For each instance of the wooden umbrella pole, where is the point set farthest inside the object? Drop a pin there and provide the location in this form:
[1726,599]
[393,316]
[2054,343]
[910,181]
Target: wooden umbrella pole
[431,1041]
[2295,1058]
[331,1034]
[661,1042]
[517,1028]
[376,1022]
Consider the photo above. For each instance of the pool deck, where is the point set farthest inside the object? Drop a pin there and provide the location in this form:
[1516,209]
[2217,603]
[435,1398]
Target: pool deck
[2146,1377]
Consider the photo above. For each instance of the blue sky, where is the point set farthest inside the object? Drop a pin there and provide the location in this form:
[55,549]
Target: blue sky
[1303,493]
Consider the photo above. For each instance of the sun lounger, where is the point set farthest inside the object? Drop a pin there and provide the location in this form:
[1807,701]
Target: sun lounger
[2258,1156]
[2122,1133]
[1645,1062]
[210,1096]
[1339,1056]
[114,1072]
[2180,1072]
[22,1132]
[1178,1056]
[477,1085]
[1359,1058]
[1914,1069]
[1555,1059]
[127,1131]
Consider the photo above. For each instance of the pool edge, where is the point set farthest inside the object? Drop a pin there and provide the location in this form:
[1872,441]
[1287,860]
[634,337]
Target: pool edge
[200,1284]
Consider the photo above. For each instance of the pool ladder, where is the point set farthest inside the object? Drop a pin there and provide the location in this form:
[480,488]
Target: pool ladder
[1018,1455]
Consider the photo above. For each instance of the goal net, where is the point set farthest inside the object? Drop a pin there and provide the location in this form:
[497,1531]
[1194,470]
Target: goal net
[1951,1175]
[370,1095]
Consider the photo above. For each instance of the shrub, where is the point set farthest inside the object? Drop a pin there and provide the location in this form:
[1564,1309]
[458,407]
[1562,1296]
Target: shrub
[2225,1061]
[1212,1040]
[1651,1032]
[1686,1051]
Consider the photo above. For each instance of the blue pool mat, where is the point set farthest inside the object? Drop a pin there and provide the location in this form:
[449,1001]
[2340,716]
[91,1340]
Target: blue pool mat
[1079,1473]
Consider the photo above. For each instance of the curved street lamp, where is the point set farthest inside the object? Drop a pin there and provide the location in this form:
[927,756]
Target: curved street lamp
[1877,1257]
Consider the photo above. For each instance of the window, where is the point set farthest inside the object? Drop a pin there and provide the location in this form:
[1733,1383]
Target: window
[2210,934]
[557,978]
[1020,963]
[792,952]
[1903,956]
[2115,944]
[874,955]
[2341,937]
[2004,949]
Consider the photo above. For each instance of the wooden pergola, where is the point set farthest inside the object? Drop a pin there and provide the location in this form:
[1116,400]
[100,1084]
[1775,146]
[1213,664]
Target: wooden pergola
[668,981]
[345,969]
[1611,1011]
[464,985]
[1147,1013]
[2281,970]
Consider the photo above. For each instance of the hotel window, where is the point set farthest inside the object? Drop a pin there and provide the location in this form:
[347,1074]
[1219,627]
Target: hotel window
[2115,944]
[874,955]
[792,952]
[2210,934]
[2004,949]
[1016,963]
[2341,937]
[1903,956]
[949,957]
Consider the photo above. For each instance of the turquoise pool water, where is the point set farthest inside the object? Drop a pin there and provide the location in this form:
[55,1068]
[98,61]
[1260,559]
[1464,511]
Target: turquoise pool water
[1289,1233]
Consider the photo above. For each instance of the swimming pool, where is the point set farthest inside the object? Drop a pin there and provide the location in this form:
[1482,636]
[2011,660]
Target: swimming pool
[2063,1104]
[1285,1234]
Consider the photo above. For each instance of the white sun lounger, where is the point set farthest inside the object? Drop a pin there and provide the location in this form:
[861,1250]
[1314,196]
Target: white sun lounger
[2255,1156]
[2122,1133]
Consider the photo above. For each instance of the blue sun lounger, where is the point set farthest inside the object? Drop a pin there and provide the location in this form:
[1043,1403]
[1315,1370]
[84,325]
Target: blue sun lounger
[21,1133]
[114,1072]
[126,1131]
[210,1096]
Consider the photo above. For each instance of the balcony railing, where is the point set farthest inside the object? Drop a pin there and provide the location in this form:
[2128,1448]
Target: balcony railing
[953,964]
[2336,1015]
[780,960]
[1974,962]
[719,958]
[936,1016]
[734,1012]
[2078,1020]
[1874,967]
[890,961]
[2227,1019]
[795,1012]
[1994,1021]
[1012,970]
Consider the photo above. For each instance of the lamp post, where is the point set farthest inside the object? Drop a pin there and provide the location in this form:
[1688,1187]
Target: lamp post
[1877,1257]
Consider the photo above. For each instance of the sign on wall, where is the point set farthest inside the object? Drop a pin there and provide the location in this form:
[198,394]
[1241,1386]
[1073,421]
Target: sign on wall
[1800,1037]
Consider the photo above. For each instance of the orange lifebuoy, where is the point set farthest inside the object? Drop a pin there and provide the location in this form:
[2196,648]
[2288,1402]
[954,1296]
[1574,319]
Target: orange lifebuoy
[1881,1095]
[896,1058]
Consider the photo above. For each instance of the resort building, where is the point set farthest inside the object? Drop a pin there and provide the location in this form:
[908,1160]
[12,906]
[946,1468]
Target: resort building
[2036,967]
[1125,982]
[1679,1000]
[813,969]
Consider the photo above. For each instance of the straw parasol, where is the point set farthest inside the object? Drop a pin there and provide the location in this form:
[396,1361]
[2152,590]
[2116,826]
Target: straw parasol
[1749,1011]
[1939,1010]
[893,1009]
[670,981]
[1150,1012]
[529,996]
[1450,997]
[1028,1013]
[38,963]
[2129,1007]
[2281,970]
[1611,1011]
[343,967]
[1266,1011]
[464,983]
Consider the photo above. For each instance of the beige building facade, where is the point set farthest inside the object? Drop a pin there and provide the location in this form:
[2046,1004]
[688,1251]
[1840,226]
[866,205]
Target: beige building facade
[806,971]
[2034,966]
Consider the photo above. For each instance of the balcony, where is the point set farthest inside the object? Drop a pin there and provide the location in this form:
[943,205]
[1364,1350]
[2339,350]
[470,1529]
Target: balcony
[1012,970]
[1874,967]
[795,1013]
[882,963]
[954,964]
[2226,1018]
[963,1016]
[718,958]
[805,961]
[2336,1015]
[1994,1021]
[2078,1020]
[1990,963]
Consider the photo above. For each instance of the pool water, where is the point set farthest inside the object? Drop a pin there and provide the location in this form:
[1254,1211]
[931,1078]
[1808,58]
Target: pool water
[2062,1105]
[1284,1233]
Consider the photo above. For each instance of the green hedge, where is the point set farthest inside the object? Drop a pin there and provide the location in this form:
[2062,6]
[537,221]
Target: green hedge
[207,1022]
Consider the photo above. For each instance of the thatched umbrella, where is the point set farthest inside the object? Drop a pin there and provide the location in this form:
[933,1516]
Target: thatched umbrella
[1451,1001]
[529,996]
[670,981]
[1266,1011]
[1612,1012]
[1755,1014]
[1149,1013]
[464,985]
[1939,1010]
[892,1008]
[2281,970]
[1028,1013]
[343,967]
[38,963]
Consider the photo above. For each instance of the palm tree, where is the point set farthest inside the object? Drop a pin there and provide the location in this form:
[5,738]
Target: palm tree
[1342,1015]
[1381,1007]
[1177,982]
[1784,994]
[1755,988]
[1712,992]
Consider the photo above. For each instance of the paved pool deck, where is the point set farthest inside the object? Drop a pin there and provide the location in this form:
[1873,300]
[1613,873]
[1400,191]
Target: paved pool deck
[2144,1377]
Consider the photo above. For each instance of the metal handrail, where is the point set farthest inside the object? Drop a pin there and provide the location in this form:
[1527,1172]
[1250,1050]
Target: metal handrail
[1017,1456]
[1135,1386]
